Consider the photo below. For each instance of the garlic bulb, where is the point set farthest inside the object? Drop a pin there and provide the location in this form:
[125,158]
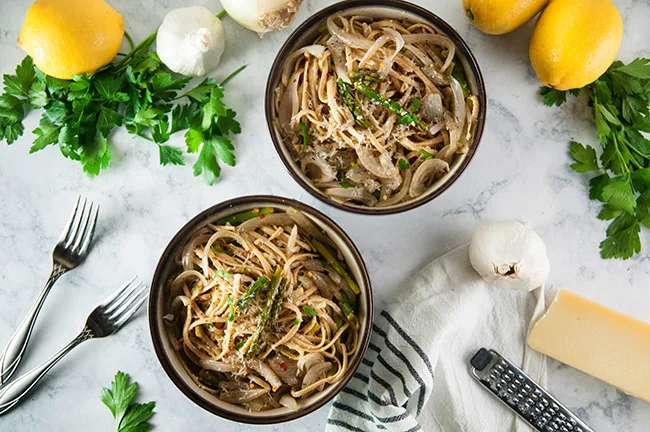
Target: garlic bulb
[191,40]
[262,15]
[508,254]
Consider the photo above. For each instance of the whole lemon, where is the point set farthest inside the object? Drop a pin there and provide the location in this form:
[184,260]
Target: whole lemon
[501,16]
[69,37]
[575,41]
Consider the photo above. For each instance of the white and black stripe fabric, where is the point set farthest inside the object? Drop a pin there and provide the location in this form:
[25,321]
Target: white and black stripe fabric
[415,375]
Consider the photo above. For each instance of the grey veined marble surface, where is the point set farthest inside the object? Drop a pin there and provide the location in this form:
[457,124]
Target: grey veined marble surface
[521,170]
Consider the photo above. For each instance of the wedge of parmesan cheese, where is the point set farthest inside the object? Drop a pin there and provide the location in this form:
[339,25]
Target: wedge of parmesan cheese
[606,344]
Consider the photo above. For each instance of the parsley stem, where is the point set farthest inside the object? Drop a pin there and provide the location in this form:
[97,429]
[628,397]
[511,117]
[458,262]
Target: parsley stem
[222,14]
[129,38]
[232,75]
[145,44]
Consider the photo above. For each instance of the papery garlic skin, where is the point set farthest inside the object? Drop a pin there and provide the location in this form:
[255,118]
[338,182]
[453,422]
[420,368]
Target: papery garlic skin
[262,16]
[191,40]
[508,254]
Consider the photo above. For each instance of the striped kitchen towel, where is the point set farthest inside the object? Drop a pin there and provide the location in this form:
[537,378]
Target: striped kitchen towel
[415,375]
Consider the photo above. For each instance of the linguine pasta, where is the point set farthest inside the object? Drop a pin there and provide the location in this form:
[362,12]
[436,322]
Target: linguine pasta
[375,111]
[263,309]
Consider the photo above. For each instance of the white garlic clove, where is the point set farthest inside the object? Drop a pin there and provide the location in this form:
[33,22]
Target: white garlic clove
[262,16]
[508,254]
[191,40]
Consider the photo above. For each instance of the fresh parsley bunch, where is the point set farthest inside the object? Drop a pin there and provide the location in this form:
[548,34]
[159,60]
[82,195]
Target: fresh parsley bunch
[137,92]
[620,100]
[129,416]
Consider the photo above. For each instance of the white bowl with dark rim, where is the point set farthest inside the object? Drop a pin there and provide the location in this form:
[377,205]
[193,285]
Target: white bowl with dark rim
[313,27]
[160,303]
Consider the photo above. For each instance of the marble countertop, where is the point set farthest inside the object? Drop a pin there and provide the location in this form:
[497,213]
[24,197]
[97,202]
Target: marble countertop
[521,171]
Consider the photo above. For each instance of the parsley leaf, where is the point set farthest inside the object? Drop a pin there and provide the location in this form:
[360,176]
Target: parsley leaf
[107,119]
[129,416]
[403,165]
[551,97]
[585,157]
[223,148]
[623,239]
[620,100]
[137,92]
[170,155]
[638,68]
[193,139]
[37,95]
[47,134]
[618,193]
[309,311]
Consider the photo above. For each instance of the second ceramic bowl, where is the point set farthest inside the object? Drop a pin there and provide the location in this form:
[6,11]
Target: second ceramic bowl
[312,28]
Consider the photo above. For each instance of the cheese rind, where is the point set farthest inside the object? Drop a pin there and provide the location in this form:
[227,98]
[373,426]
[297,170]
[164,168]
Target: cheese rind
[604,343]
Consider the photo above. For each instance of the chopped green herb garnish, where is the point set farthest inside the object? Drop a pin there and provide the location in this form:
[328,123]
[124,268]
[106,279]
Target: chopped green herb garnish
[223,274]
[211,325]
[425,155]
[296,322]
[346,185]
[309,311]
[403,165]
[305,135]
[241,344]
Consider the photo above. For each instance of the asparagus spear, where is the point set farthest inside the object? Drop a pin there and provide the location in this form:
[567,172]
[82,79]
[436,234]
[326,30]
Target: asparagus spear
[365,75]
[331,260]
[277,303]
[346,307]
[376,97]
[259,285]
[348,99]
[266,311]
[237,218]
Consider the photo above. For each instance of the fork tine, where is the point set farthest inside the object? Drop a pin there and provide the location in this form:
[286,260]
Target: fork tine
[66,231]
[124,298]
[126,315]
[88,236]
[75,224]
[118,293]
[83,227]
[126,305]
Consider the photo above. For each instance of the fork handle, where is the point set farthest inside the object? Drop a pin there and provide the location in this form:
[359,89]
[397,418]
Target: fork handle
[13,393]
[13,352]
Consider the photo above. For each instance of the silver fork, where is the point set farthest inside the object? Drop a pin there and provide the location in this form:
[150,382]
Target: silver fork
[69,252]
[105,320]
